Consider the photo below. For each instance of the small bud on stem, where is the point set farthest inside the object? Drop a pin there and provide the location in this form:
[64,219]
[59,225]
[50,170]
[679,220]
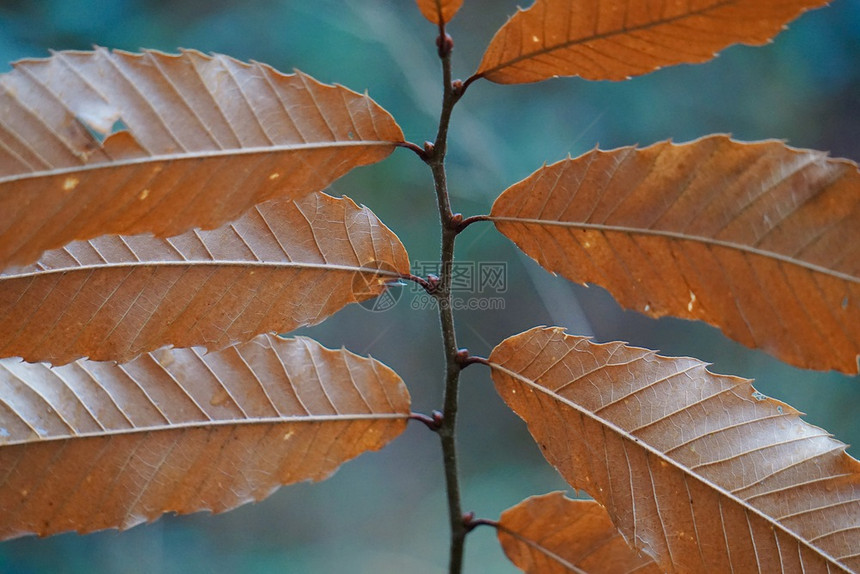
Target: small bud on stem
[445,44]
[432,283]
[437,418]
[462,357]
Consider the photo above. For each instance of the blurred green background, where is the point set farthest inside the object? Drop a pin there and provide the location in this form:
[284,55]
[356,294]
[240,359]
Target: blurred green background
[385,511]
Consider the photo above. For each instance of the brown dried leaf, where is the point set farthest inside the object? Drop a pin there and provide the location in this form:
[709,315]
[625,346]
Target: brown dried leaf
[554,534]
[698,470]
[93,445]
[186,141]
[760,240]
[439,11]
[284,265]
[616,39]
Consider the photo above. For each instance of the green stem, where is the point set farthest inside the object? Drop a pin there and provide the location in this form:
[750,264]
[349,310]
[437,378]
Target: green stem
[435,158]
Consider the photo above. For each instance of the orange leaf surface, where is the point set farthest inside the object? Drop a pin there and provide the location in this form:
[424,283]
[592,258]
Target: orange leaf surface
[284,265]
[439,11]
[616,39]
[553,534]
[760,240]
[698,470]
[90,445]
[95,143]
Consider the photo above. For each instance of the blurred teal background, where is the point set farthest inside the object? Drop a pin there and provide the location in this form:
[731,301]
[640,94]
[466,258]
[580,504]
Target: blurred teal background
[385,512]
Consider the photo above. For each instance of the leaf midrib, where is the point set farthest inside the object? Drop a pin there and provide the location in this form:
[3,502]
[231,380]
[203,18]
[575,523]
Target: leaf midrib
[670,461]
[710,241]
[194,155]
[207,424]
[201,263]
